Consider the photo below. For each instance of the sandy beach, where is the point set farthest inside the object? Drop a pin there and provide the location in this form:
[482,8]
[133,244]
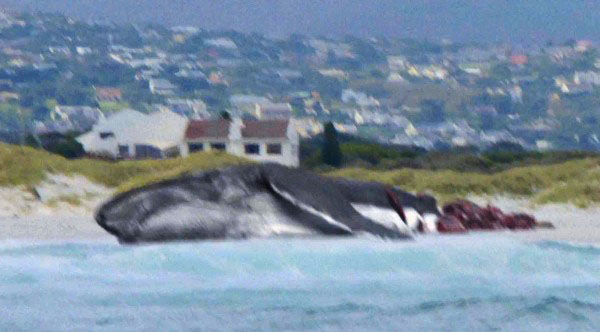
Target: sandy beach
[46,228]
[572,224]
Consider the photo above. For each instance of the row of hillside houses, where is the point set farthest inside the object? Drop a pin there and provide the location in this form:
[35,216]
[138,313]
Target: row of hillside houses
[130,134]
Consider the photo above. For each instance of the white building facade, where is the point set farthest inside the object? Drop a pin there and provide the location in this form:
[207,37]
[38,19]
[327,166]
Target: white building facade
[130,134]
[262,141]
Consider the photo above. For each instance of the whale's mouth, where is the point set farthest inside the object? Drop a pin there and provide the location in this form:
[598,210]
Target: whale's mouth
[112,227]
[101,219]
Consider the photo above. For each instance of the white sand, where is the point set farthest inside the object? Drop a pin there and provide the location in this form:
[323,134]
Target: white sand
[572,224]
[62,209]
[57,196]
[51,228]
[51,217]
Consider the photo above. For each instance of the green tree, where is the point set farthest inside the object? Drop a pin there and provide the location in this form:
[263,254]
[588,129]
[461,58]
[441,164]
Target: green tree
[225,115]
[586,61]
[501,72]
[331,152]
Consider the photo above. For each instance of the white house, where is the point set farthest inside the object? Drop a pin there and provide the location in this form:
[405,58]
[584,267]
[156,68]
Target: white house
[273,111]
[162,87]
[131,134]
[221,42]
[247,103]
[264,141]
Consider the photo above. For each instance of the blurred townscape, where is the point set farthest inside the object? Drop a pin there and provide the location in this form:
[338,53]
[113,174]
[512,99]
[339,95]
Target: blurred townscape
[61,77]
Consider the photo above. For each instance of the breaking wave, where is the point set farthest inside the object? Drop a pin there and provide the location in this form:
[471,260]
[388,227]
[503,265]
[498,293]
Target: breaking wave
[439,283]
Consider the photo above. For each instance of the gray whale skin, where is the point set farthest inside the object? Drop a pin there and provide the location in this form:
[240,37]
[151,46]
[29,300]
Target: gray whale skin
[260,201]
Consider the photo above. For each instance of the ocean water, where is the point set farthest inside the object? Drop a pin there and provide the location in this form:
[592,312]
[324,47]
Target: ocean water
[472,283]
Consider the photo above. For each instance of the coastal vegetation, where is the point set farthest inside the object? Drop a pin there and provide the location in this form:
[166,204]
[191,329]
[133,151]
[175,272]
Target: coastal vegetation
[543,177]
[357,152]
[576,181]
[25,166]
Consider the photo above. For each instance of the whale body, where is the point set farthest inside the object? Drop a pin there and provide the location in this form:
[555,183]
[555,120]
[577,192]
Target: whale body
[263,201]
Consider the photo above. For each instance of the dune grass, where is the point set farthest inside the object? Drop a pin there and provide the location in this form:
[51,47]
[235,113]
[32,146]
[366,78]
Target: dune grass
[577,182]
[23,166]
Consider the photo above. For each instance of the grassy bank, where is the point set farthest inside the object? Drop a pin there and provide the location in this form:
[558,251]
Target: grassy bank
[23,166]
[575,181]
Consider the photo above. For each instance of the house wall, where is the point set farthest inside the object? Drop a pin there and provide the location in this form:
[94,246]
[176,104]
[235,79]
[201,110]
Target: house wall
[185,151]
[289,151]
[235,145]
[105,147]
[287,156]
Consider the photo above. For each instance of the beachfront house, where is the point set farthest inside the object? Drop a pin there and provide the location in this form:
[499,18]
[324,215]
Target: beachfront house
[259,140]
[130,134]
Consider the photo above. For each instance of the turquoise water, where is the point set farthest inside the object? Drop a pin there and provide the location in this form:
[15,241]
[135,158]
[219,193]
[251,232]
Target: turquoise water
[456,283]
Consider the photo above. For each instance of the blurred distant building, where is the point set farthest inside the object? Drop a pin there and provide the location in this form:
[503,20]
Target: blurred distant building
[271,111]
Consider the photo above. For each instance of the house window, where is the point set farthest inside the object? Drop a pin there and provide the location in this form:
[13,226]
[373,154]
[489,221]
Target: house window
[252,149]
[172,152]
[143,151]
[274,148]
[218,146]
[106,135]
[124,151]
[195,147]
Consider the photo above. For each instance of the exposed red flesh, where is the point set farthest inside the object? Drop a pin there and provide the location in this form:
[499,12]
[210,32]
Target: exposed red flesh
[462,216]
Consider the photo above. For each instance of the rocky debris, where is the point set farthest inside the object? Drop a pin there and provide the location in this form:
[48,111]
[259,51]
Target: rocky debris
[463,216]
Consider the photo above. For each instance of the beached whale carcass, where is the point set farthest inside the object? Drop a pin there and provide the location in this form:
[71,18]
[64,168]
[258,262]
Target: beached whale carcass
[263,201]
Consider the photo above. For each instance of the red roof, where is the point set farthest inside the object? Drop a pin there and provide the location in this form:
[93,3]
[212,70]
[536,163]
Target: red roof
[265,129]
[519,59]
[109,93]
[207,128]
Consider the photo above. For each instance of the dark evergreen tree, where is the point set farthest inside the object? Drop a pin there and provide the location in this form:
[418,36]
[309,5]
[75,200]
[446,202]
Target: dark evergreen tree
[225,115]
[331,152]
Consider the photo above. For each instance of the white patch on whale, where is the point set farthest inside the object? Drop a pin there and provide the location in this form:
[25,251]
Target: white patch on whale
[266,219]
[430,223]
[413,218]
[309,209]
[386,217]
[390,218]
[260,218]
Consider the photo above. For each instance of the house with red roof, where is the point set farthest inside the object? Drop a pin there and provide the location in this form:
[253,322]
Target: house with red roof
[519,59]
[108,94]
[260,140]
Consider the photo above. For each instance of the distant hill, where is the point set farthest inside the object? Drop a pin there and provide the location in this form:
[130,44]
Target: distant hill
[481,20]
